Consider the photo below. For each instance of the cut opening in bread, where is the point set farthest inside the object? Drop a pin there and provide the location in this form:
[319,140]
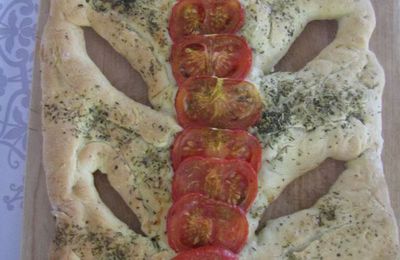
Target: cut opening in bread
[115,203]
[115,67]
[318,35]
[304,191]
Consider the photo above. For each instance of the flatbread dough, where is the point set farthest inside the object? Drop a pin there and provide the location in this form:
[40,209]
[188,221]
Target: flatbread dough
[329,109]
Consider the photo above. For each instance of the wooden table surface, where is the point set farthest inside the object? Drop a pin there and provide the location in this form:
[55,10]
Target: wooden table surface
[38,222]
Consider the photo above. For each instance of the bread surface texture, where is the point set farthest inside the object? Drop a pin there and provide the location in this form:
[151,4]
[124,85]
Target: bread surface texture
[331,108]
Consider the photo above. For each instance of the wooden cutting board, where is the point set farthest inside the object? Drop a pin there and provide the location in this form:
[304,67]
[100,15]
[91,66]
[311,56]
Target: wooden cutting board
[38,222]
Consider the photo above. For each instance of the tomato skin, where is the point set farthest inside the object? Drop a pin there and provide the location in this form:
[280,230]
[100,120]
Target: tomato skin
[199,17]
[207,252]
[223,55]
[217,143]
[207,222]
[230,181]
[219,103]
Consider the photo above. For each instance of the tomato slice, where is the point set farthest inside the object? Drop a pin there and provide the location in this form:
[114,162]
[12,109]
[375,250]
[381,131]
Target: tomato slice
[231,181]
[192,17]
[207,253]
[218,143]
[195,221]
[219,103]
[224,56]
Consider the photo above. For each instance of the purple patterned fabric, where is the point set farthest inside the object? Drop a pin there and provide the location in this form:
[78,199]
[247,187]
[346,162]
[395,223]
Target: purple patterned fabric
[17,41]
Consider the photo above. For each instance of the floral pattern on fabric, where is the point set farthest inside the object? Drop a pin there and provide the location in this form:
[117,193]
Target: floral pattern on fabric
[17,41]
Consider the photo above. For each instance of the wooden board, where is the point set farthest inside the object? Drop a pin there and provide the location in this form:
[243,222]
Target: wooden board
[38,222]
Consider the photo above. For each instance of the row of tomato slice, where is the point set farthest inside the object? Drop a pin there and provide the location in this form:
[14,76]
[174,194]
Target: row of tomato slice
[215,178]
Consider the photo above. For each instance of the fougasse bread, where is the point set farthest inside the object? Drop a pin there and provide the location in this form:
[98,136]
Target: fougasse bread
[331,108]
